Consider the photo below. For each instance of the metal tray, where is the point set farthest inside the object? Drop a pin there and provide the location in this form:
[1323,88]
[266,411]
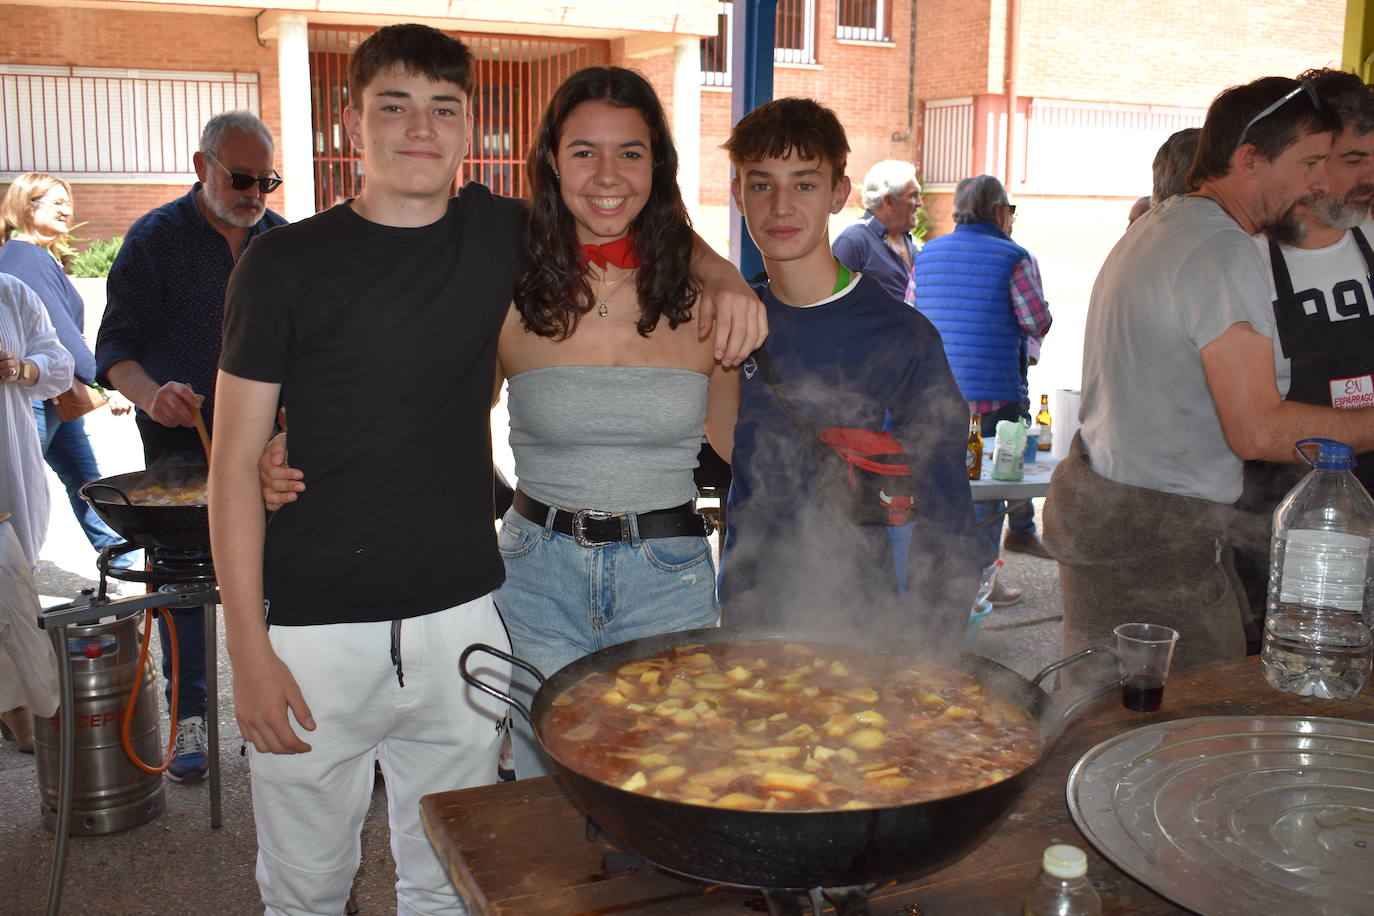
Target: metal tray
[1237,815]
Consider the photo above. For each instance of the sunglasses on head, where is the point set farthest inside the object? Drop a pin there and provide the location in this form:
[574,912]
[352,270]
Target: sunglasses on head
[241,181]
[1276,105]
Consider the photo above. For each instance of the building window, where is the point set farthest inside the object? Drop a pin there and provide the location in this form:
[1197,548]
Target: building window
[715,51]
[793,43]
[515,76]
[796,38]
[947,145]
[862,20]
[89,122]
[1097,148]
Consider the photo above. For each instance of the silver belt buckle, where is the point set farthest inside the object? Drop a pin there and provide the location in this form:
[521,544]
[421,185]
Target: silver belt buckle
[579,527]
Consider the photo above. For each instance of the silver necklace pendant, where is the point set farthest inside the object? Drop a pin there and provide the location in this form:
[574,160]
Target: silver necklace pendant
[608,289]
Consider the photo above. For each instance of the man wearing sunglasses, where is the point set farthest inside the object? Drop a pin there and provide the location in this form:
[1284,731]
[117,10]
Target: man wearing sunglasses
[1318,266]
[1179,386]
[159,341]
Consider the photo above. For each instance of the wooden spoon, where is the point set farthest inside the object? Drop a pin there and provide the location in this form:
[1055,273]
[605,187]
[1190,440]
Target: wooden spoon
[204,435]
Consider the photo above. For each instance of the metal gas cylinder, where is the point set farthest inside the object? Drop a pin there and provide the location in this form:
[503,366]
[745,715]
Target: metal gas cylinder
[109,793]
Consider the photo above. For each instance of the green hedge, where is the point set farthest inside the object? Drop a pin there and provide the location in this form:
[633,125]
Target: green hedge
[95,261]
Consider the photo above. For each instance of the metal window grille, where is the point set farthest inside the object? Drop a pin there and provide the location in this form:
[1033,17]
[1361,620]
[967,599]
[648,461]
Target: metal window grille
[793,44]
[715,51]
[1097,147]
[515,78]
[862,20]
[796,38]
[110,123]
[947,144]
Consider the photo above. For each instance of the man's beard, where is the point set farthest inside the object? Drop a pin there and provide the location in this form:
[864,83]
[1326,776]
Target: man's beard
[1343,212]
[1288,228]
[235,217]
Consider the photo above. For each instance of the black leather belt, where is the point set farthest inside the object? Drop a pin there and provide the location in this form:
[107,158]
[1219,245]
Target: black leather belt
[594,528]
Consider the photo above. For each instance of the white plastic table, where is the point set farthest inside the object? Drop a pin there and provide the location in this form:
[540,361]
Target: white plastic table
[1035,482]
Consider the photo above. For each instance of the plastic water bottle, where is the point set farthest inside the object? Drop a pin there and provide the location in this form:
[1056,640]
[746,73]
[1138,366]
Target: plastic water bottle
[1321,581]
[1063,888]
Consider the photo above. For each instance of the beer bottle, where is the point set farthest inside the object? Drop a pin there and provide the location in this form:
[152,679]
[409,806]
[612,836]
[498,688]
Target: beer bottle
[973,458]
[1043,418]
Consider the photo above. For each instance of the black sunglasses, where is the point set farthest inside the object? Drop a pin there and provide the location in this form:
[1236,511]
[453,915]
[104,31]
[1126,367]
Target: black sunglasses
[1275,106]
[240,181]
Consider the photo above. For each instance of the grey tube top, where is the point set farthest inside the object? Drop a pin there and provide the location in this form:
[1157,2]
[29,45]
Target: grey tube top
[616,438]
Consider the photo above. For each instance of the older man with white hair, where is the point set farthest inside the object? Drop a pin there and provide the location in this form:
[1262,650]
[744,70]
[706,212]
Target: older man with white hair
[880,244]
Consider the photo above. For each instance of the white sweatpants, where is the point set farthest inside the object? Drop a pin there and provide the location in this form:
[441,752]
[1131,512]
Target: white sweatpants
[434,734]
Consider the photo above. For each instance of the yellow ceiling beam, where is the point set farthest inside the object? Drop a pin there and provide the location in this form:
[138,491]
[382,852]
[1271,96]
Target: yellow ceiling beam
[1357,52]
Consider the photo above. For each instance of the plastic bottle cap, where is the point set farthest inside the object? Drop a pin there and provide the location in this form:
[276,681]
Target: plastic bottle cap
[1065,862]
[94,650]
[1331,454]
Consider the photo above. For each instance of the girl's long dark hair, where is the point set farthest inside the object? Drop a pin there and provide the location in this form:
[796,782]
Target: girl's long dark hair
[552,292]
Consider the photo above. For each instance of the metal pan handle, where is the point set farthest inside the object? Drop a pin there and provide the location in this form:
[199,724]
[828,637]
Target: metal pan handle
[487,688]
[1072,709]
[97,485]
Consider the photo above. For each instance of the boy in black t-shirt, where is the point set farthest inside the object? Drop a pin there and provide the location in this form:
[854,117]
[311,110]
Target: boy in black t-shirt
[347,316]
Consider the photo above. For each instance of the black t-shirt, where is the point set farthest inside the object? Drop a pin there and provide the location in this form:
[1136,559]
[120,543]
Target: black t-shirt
[384,342]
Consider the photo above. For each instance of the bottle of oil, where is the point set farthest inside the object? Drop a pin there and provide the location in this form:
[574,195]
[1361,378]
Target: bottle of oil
[973,458]
[1043,418]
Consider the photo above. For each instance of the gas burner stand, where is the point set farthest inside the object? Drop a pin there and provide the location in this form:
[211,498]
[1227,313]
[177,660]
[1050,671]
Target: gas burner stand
[183,581]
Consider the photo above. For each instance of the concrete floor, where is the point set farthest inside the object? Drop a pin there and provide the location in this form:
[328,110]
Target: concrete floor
[178,865]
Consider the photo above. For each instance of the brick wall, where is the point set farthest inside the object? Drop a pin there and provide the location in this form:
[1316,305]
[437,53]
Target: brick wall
[152,40]
[1170,52]
[865,83]
[953,47]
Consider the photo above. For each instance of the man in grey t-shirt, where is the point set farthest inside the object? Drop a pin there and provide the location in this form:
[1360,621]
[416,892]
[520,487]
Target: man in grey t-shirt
[1178,384]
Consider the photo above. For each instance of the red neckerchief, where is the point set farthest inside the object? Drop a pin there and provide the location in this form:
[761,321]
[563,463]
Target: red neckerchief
[621,253]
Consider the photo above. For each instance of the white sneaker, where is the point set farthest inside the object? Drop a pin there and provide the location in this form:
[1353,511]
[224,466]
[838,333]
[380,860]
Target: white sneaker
[192,758]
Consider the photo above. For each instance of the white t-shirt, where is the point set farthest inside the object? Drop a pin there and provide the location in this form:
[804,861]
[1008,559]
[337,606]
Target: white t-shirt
[1178,279]
[1332,283]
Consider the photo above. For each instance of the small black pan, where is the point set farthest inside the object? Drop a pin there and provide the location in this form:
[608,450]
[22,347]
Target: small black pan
[169,527]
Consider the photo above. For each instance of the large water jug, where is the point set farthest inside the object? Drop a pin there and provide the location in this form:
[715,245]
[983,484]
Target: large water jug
[1321,580]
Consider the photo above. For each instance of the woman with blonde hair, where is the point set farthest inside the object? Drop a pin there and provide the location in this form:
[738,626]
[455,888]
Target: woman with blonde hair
[35,219]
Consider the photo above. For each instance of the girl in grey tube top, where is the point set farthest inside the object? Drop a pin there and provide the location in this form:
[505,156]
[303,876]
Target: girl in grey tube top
[631,448]
[609,390]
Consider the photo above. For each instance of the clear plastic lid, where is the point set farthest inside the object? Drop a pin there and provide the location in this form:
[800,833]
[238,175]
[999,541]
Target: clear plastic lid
[1065,862]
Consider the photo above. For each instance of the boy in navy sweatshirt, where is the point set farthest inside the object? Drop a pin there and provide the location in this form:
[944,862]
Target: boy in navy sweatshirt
[843,353]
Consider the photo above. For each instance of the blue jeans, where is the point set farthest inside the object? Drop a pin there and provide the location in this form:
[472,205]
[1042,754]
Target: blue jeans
[561,601]
[68,452]
[190,624]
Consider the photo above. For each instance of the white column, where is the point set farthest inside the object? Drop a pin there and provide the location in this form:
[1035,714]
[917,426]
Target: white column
[296,141]
[687,119]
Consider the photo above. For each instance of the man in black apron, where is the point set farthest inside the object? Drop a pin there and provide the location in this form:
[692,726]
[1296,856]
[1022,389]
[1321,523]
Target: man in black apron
[1324,315]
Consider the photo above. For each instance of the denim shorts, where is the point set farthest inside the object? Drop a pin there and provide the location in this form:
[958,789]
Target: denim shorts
[561,601]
